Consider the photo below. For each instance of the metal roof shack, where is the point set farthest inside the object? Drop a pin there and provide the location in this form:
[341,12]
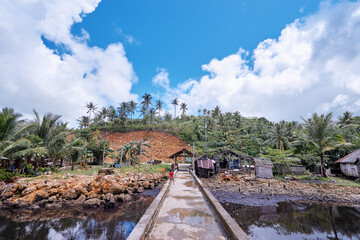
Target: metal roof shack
[350,164]
[263,167]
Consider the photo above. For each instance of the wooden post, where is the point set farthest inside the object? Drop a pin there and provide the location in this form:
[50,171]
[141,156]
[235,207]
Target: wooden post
[121,157]
[140,156]
[114,155]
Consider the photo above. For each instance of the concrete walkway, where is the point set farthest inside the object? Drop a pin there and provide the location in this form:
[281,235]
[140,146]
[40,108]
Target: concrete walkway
[185,214]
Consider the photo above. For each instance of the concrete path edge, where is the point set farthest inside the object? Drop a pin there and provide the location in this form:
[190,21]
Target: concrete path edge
[144,226]
[231,227]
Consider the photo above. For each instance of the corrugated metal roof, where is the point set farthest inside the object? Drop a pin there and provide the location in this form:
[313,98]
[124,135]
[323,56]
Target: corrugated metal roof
[350,158]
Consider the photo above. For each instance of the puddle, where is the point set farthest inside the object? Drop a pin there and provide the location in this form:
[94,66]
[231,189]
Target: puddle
[297,221]
[190,184]
[189,216]
[196,203]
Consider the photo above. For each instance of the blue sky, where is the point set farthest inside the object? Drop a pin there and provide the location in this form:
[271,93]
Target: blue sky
[180,36]
[279,59]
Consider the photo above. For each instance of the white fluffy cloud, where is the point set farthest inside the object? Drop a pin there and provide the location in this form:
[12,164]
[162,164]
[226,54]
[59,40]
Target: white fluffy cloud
[313,65]
[34,76]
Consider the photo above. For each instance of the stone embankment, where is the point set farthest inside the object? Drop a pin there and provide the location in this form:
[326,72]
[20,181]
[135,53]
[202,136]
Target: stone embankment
[248,190]
[86,191]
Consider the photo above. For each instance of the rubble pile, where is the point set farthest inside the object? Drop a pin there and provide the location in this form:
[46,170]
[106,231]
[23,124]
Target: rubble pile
[86,191]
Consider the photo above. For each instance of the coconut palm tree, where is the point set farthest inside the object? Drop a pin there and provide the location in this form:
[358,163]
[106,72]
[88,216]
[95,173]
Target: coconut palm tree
[175,103]
[159,106]
[152,113]
[320,132]
[147,101]
[132,108]
[123,110]
[278,137]
[91,109]
[215,113]
[111,113]
[345,119]
[83,121]
[183,107]
[103,114]
[75,149]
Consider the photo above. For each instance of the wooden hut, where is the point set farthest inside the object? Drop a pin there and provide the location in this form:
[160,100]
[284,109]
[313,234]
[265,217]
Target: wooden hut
[350,164]
[205,167]
[263,167]
[182,153]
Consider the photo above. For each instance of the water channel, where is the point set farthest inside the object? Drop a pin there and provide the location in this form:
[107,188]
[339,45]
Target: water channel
[114,223]
[290,220]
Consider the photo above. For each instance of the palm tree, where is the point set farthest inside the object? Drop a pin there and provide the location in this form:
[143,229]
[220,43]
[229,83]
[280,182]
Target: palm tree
[147,101]
[46,125]
[345,119]
[132,107]
[278,137]
[152,113]
[103,114]
[75,150]
[84,122]
[91,108]
[320,132]
[9,126]
[216,112]
[123,110]
[111,113]
[175,103]
[183,107]
[159,106]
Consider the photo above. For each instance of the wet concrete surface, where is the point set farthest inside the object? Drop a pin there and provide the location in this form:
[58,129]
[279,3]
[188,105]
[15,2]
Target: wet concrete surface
[185,214]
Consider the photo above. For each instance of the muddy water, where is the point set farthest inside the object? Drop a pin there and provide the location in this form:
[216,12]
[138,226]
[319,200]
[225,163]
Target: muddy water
[114,223]
[287,220]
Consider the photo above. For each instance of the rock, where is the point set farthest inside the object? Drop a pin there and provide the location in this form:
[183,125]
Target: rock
[53,191]
[52,206]
[41,195]
[70,194]
[249,178]
[108,196]
[140,190]
[122,197]
[29,190]
[52,199]
[106,171]
[146,184]
[21,203]
[81,199]
[80,190]
[91,203]
[152,185]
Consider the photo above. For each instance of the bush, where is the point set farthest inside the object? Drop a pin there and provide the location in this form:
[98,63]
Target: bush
[6,175]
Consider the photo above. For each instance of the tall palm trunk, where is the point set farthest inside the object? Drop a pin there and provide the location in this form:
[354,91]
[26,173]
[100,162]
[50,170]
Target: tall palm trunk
[323,173]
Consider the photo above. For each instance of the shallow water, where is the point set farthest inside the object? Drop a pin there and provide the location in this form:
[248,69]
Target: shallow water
[288,220]
[114,223]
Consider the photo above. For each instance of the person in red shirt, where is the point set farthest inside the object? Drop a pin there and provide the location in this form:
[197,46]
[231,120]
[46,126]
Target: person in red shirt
[171,175]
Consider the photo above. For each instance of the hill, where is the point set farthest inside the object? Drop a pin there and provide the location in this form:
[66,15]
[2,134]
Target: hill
[163,144]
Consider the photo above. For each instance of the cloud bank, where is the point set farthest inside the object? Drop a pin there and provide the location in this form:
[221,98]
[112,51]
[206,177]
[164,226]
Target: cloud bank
[314,65]
[34,76]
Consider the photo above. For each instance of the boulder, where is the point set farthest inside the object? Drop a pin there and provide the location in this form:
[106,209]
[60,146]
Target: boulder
[81,199]
[29,190]
[80,190]
[42,194]
[52,199]
[140,189]
[91,203]
[146,184]
[70,194]
[122,197]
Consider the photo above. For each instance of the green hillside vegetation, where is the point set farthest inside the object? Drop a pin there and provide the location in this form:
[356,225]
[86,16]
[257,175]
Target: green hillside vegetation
[318,140]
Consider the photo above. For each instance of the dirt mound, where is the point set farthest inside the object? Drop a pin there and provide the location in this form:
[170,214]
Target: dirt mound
[163,144]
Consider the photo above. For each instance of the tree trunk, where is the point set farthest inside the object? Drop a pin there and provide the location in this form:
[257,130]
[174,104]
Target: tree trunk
[323,173]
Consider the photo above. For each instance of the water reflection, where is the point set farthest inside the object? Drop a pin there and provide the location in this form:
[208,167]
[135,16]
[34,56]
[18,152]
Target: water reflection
[297,221]
[115,223]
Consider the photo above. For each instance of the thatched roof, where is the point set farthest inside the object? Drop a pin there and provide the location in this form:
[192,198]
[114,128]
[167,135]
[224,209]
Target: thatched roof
[182,153]
[263,162]
[350,158]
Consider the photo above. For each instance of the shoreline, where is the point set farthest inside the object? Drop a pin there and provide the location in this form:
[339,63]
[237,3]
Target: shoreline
[263,192]
[82,192]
